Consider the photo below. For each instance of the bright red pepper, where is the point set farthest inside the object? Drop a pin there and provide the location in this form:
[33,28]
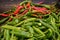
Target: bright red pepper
[24,12]
[42,9]
[39,11]
[39,8]
[35,8]
[17,10]
[4,15]
[28,5]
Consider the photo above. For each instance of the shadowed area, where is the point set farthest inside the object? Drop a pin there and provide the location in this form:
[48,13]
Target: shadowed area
[6,5]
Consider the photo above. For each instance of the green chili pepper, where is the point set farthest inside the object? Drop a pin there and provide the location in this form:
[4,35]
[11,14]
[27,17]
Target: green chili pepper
[22,34]
[46,15]
[28,14]
[31,19]
[30,29]
[27,0]
[13,22]
[17,31]
[31,39]
[23,2]
[42,27]
[11,27]
[48,26]
[28,24]
[38,31]
[42,5]
[6,34]
[3,20]
[47,20]
[49,33]
[55,16]
[39,24]
[13,37]
[53,23]
[22,10]
[38,36]
[47,6]
[58,24]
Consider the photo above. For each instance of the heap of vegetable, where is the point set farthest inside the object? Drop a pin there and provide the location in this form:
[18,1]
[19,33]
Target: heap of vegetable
[30,21]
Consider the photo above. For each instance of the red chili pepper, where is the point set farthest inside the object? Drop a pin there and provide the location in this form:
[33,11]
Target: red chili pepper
[43,12]
[10,19]
[42,9]
[24,12]
[35,8]
[39,11]
[34,15]
[28,5]
[18,9]
[4,15]
[39,8]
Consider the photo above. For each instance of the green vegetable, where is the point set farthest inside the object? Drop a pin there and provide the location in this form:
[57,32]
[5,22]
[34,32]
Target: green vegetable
[31,39]
[39,31]
[22,34]
[3,20]
[49,33]
[48,26]
[53,23]
[13,37]
[55,16]
[6,34]
[23,2]
[11,27]
[43,5]
[31,19]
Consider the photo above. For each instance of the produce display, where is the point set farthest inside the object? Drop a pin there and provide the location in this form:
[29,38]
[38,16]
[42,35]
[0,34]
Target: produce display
[30,21]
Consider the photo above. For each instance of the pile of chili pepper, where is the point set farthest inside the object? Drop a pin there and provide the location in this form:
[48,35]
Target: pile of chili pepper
[30,21]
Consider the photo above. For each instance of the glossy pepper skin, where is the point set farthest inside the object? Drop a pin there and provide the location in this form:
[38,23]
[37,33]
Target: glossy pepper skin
[28,5]
[17,10]
[4,15]
[3,20]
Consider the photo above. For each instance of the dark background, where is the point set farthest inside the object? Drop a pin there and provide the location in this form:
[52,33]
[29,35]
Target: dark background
[8,4]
